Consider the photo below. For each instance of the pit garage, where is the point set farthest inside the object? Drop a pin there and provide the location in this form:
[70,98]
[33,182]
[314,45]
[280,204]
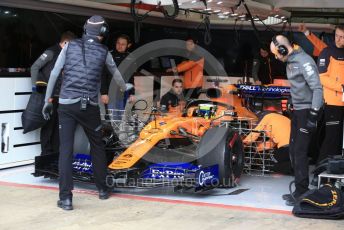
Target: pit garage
[214,153]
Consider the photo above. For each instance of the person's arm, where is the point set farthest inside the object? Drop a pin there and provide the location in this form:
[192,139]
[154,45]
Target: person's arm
[105,82]
[46,57]
[318,44]
[55,73]
[253,136]
[311,75]
[116,75]
[255,69]
[132,91]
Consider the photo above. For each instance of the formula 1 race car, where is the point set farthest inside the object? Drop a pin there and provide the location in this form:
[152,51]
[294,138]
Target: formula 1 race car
[190,147]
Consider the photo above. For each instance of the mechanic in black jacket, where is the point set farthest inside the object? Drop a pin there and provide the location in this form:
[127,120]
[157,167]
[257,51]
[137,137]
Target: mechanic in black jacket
[266,68]
[40,72]
[173,97]
[82,61]
[123,43]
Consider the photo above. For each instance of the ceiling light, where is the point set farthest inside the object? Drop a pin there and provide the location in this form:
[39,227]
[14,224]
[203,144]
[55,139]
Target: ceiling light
[271,21]
[283,17]
[15,15]
[210,0]
[226,12]
[242,16]
[223,16]
[256,19]
[194,1]
[285,20]
[6,12]
[218,3]
[276,15]
[208,9]
[217,11]
[234,14]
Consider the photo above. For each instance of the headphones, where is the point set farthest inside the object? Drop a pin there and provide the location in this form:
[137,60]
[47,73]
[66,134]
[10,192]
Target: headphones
[281,49]
[104,29]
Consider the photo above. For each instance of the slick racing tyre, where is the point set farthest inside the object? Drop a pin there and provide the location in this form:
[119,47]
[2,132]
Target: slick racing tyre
[223,147]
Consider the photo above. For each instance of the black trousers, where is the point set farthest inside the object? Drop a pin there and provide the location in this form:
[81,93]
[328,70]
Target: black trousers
[282,161]
[333,122]
[192,93]
[69,117]
[50,132]
[298,148]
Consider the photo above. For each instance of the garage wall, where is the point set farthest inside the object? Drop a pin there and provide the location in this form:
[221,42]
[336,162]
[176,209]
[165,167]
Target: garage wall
[16,148]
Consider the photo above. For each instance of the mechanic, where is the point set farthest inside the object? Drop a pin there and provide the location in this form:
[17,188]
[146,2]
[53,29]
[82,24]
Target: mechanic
[174,97]
[82,61]
[40,72]
[192,69]
[265,68]
[331,68]
[307,99]
[275,128]
[123,43]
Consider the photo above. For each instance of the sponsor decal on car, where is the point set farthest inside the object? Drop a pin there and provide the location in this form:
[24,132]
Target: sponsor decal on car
[207,177]
[82,163]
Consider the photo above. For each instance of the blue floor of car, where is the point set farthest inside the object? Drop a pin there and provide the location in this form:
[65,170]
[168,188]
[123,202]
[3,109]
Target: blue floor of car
[253,191]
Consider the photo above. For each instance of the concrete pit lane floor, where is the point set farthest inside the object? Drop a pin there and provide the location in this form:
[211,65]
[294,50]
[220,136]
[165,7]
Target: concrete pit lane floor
[30,203]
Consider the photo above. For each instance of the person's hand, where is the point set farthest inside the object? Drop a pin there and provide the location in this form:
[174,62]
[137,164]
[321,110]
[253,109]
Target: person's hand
[174,69]
[257,82]
[303,29]
[128,86]
[47,110]
[131,98]
[311,124]
[104,99]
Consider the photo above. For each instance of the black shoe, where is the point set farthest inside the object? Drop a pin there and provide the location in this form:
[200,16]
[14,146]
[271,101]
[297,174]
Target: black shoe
[65,204]
[291,201]
[314,181]
[104,194]
[288,196]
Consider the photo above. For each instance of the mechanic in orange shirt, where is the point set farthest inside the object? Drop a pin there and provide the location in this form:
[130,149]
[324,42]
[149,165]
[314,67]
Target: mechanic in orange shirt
[192,69]
[331,69]
[275,129]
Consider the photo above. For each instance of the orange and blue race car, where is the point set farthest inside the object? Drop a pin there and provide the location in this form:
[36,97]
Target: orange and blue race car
[191,147]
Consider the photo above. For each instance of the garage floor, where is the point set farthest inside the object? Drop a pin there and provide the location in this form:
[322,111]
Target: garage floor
[255,204]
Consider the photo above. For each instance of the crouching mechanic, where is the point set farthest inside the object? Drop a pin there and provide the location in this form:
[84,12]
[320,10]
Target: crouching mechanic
[82,61]
[307,99]
[275,128]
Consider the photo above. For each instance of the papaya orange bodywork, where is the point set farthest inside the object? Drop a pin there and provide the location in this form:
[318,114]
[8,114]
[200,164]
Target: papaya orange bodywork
[162,126]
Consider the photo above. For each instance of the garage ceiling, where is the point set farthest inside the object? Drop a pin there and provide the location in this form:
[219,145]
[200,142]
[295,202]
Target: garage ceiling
[318,14]
[326,11]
